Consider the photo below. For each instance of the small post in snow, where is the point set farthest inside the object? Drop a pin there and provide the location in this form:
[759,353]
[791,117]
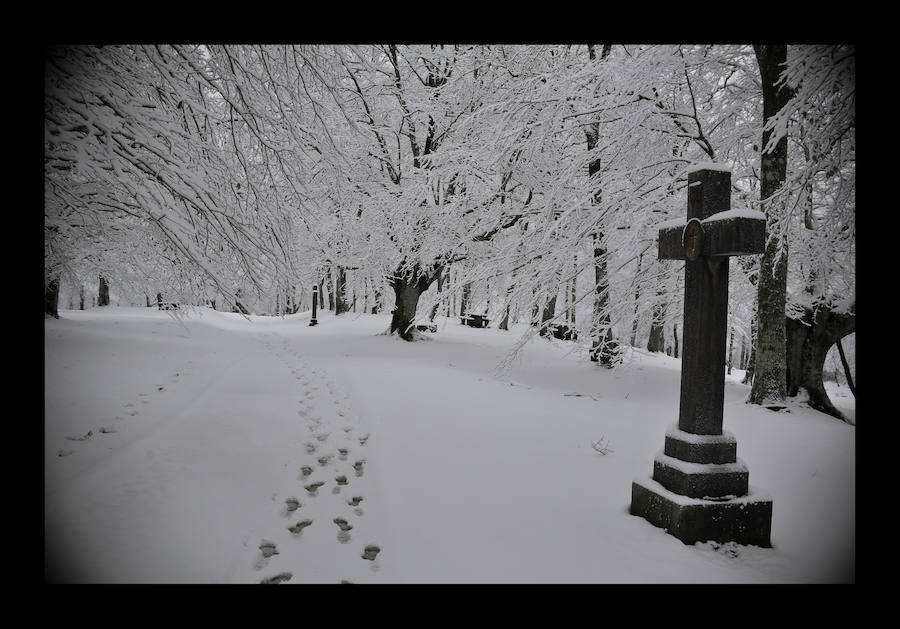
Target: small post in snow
[700,490]
[312,320]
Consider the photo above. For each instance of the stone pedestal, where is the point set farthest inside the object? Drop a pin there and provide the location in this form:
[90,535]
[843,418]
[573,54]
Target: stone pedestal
[700,492]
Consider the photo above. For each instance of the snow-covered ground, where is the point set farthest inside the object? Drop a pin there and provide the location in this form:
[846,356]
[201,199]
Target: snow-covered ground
[175,452]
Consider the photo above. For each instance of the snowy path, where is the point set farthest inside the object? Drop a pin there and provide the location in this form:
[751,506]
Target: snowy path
[213,474]
[225,451]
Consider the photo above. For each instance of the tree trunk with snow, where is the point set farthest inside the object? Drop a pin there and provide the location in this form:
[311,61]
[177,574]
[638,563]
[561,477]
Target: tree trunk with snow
[440,287]
[847,374]
[547,313]
[808,340]
[51,298]
[731,350]
[464,301]
[770,379]
[103,293]
[637,297]
[751,361]
[340,291]
[408,288]
[656,342]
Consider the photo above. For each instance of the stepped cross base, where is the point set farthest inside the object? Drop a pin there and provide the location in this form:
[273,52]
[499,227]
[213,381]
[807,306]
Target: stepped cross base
[699,492]
[744,520]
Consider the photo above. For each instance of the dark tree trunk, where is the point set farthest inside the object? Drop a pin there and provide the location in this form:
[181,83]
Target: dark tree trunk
[675,334]
[51,298]
[743,359]
[340,292]
[329,288]
[770,379]
[238,306]
[656,342]
[376,302]
[808,341]
[604,349]
[573,295]
[751,361]
[464,301]
[103,294]
[731,351]
[159,302]
[440,287]
[407,290]
[637,297]
[146,298]
[847,374]
[548,312]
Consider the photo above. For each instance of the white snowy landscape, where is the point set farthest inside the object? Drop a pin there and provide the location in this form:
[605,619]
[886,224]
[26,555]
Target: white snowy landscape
[460,313]
[198,429]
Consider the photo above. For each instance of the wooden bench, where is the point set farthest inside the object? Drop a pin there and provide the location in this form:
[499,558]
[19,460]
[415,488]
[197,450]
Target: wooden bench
[475,321]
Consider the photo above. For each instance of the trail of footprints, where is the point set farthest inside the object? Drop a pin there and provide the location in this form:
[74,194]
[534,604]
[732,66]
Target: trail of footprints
[325,465]
[130,409]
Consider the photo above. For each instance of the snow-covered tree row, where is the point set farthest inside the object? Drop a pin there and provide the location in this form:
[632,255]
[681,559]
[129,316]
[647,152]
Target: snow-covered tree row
[527,181]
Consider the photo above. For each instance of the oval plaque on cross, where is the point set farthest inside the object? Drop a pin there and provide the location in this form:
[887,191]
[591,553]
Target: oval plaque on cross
[692,239]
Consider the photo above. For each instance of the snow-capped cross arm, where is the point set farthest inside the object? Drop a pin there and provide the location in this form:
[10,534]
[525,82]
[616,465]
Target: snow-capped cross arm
[712,229]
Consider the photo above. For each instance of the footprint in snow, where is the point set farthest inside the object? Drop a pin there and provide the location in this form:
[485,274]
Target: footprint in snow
[312,488]
[341,480]
[299,526]
[107,429]
[355,500]
[83,437]
[267,549]
[310,447]
[323,460]
[371,551]
[343,524]
[292,504]
[358,468]
[64,452]
[278,578]
[323,437]
[342,453]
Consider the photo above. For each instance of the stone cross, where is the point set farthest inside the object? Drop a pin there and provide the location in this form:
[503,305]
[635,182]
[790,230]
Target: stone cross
[312,320]
[700,489]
